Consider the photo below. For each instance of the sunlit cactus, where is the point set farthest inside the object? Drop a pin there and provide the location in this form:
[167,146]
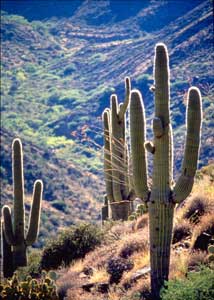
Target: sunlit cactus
[15,230]
[116,158]
[162,195]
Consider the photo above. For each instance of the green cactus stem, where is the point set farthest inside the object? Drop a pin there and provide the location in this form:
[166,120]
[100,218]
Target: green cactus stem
[107,155]
[116,158]
[7,255]
[162,195]
[15,231]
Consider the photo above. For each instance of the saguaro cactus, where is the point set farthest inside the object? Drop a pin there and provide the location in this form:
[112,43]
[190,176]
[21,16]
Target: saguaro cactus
[116,156]
[6,255]
[163,195]
[15,231]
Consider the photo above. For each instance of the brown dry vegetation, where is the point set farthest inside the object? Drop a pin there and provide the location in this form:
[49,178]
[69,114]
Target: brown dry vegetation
[129,241]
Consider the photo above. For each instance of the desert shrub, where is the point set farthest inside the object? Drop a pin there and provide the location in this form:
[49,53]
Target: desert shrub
[203,233]
[197,286]
[141,222]
[180,231]
[197,207]
[196,259]
[131,247]
[116,266]
[35,289]
[71,244]
[59,204]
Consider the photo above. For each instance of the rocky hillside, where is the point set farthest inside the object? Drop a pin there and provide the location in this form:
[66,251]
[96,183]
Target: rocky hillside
[59,67]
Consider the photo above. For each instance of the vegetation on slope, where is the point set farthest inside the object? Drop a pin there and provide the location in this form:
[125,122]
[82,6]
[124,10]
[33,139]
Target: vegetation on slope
[52,97]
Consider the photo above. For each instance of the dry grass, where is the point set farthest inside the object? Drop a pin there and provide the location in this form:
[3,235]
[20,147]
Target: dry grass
[196,259]
[99,275]
[129,240]
[181,230]
[78,266]
[206,228]
[178,264]
[197,206]
[141,222]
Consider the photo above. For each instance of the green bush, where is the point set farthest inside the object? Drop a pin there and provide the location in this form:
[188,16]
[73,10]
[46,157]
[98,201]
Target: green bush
[71,244]
[197,286]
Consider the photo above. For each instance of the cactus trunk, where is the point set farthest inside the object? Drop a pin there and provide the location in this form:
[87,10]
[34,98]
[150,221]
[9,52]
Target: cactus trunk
[19,256]
[160,204]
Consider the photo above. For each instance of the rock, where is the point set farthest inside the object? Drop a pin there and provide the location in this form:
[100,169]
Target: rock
[102,287]
[140,273]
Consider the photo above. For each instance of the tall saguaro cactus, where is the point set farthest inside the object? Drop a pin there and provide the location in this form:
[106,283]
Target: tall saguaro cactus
[116,156]
[163,195]
[15,231]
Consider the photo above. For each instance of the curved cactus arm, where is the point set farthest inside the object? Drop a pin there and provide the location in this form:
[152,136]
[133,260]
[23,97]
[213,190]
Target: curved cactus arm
[35,213]
[107,154]
[18,179]
[137,134]
[124,106]
[185,182]
[7,255]
[7,225]
[150,147]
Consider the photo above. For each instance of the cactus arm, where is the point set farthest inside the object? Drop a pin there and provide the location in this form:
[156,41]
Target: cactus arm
[163,157]
[161,74]
[125,179]
[137,133]
[35,213]
[107,155]
[124,106]
[150,147]
[7,225]
[7,255]
[18,179]
[117,141]
[185,182]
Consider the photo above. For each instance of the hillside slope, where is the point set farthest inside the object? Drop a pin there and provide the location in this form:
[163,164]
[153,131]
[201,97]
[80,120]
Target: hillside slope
[58,74]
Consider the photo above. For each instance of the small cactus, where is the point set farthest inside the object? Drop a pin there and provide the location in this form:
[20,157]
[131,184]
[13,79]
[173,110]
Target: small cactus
[15,231]
[211,249]
[41,289]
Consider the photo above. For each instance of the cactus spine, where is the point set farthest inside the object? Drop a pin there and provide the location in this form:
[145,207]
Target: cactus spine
[116,156]
[163,196]
[15,231]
